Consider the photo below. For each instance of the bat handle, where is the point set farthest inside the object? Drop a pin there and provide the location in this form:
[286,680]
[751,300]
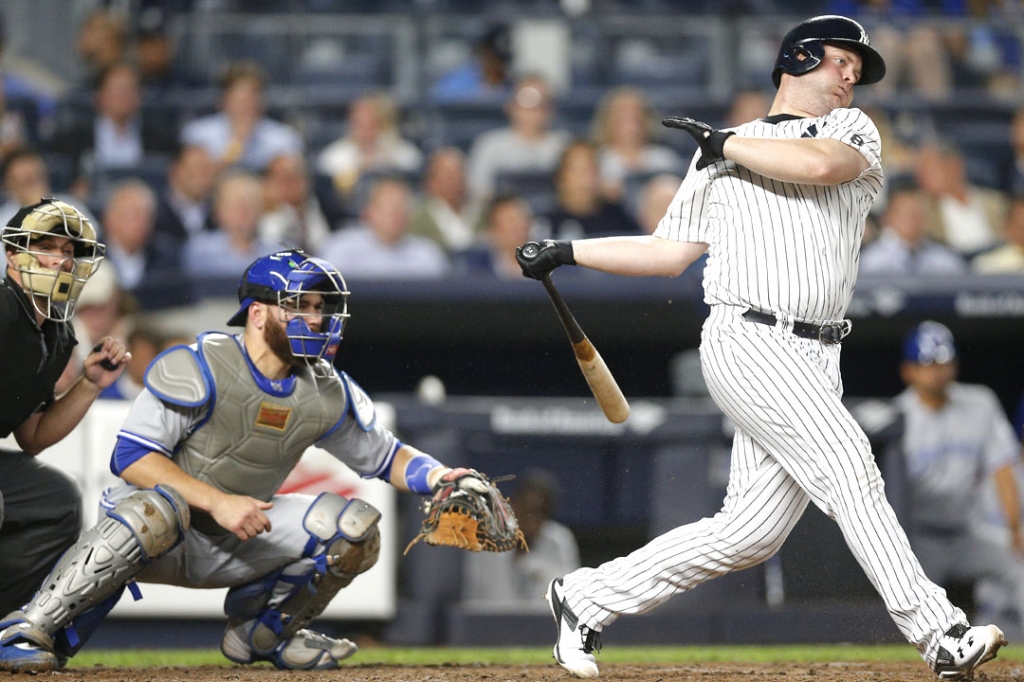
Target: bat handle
[572,328]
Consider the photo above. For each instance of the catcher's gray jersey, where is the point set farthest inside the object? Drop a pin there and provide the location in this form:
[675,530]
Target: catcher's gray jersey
[242,433]
[210,410]
[951,452]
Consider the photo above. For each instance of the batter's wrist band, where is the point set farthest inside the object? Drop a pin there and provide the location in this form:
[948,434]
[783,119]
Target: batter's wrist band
[416,472]
[565,252]
[717,143]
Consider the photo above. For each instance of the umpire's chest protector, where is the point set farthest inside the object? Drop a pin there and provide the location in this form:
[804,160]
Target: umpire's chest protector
[256,431]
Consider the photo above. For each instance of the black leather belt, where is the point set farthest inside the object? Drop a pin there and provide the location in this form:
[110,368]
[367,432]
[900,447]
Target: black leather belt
[830,333]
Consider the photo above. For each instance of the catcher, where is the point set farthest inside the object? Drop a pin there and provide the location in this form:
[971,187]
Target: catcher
[203,451]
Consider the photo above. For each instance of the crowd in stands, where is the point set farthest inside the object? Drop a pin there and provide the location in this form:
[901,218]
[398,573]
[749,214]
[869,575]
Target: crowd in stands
[202,197]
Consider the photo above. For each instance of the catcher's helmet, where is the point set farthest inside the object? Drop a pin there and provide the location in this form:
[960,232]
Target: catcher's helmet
[803,48]
[54,291]
[931,342]
[281,279]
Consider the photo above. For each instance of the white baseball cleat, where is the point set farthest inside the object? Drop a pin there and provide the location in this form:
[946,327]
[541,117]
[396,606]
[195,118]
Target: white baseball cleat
[576,643]
[963,648]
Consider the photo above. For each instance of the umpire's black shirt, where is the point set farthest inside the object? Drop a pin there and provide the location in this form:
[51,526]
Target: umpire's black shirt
[31,358]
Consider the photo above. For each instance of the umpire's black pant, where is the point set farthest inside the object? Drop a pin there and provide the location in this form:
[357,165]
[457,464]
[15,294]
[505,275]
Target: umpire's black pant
[41,516]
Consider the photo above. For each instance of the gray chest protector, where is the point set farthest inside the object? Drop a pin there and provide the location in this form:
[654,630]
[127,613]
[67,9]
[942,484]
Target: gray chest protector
[254,431]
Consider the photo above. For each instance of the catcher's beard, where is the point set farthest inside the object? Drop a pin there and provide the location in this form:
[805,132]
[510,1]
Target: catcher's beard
[277,340]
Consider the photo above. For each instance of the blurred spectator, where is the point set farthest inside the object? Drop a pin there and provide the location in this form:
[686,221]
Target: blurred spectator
[234,242]
[26,80]
[903,246]
[986,47]
[13,133]
[527,144]
[486,76]
[119,134]
[444,212]
[371,145]
[144,345]
[183,208]
[656,195]
[746,106]
[292,216]
[581,209]
[898,158]
[624,128]
[135,250]
[240,134]
[1014,182]
[380,247]
[966,217]
[1008,258]
[509,224]
[25,181]
[916,52]
[518,576]
[102,42]
[159,69]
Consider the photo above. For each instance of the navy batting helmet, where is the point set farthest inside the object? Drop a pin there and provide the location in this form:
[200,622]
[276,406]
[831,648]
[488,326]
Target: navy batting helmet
[803,48]
[930,342]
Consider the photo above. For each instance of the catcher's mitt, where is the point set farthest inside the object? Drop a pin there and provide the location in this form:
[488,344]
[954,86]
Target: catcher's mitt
[469,512]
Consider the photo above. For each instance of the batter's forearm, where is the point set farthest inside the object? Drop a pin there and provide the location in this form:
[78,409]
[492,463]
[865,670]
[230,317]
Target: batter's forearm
[802,161]
[637,256]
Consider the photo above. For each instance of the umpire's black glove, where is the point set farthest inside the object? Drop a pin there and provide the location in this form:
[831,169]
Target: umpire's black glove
[538,260]
[710,140]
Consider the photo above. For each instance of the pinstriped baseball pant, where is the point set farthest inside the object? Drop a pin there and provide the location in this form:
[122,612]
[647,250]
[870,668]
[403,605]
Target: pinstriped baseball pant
[795,443]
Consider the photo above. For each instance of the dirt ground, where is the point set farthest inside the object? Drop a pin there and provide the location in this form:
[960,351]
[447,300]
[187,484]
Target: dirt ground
[995,671]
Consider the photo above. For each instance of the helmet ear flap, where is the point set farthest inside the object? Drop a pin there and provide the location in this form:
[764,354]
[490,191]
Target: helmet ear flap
[801,58]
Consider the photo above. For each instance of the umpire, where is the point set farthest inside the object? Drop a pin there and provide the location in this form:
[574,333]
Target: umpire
[51,251]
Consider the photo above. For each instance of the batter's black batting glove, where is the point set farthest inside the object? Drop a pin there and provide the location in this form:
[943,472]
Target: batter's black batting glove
[710,140]
[538,260]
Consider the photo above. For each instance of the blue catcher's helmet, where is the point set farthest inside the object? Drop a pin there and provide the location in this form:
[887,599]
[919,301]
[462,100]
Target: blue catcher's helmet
[282,279]
[929,343]
[803,48]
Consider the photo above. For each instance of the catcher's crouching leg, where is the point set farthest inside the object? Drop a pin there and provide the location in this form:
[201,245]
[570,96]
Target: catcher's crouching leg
[267,617]
[90,577]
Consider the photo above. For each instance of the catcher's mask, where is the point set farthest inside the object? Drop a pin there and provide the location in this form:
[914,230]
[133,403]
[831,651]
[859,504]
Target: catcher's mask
[54,288]
[282,279]
[803,48]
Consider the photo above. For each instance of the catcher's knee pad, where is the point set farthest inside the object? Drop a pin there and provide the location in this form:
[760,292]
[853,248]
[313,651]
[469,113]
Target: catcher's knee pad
[277,606]
[142,527]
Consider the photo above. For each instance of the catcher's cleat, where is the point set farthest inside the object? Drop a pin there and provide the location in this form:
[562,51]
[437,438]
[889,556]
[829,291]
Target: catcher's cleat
[306,650]
[576,643]
[963,648]
[18,655]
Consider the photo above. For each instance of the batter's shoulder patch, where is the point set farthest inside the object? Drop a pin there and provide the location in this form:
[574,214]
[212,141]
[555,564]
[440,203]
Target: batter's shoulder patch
[360,403]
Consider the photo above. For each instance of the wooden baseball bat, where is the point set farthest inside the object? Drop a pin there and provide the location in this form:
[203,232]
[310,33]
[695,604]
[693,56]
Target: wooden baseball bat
[602,384]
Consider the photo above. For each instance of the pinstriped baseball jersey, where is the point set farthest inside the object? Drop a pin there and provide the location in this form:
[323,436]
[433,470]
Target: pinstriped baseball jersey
[777,246]
[792,250]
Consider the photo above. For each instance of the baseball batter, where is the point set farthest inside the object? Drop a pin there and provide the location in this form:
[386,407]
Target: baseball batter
[779,204]
[203,451]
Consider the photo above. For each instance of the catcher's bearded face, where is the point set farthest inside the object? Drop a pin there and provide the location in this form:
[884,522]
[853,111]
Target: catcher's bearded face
[277,340]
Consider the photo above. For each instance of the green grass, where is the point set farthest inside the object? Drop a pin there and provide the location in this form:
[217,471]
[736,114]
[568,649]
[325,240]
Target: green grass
[540,655]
